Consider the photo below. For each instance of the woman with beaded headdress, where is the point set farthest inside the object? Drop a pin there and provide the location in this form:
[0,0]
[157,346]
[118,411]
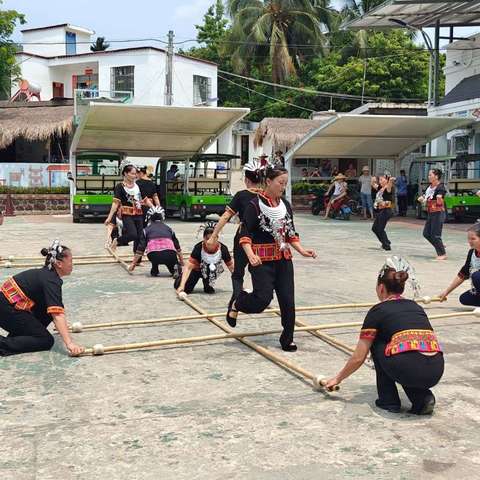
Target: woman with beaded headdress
[267,232]
[160,243]
[402,342]
[205,263]
[30,300]
[253,179]
[127,202]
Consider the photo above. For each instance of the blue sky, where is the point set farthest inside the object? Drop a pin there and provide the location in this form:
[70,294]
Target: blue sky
[126,20]
[116,19]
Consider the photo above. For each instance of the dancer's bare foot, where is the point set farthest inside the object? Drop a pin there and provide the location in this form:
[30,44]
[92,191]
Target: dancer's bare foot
[113,245]
[441,257]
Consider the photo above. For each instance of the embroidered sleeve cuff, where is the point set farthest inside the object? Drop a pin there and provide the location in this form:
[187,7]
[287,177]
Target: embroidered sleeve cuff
[244,240]
[294,239]
[368,333]
[230,210]
[195,263]
[462,275]
[55,310]
[229,264]
[117,200]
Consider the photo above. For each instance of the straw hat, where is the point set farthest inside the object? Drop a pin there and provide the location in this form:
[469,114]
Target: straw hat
[340,176]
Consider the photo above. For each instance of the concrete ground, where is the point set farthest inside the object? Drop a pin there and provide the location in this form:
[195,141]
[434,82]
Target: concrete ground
[220,410]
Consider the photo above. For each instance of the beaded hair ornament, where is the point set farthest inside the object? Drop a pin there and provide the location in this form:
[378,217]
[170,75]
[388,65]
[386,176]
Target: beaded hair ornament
[399,264]
[210,225]
[155,211]
[54,251]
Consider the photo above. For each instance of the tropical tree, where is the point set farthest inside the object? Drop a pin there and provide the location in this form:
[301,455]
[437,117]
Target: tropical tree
[352,9]
[277,33]
[100,45]
[9,70]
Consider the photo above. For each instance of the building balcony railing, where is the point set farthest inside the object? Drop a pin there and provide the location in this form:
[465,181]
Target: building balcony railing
[83,97]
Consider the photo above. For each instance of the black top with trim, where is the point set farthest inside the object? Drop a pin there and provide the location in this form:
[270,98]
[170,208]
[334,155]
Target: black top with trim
[44,287]
[401,325]
[250,228]
[240,202]
[465,270]
[196,255]
[147,188]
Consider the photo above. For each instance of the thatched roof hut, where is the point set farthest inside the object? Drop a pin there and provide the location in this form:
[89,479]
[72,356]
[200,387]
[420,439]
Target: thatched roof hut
[37,121]
[284,132]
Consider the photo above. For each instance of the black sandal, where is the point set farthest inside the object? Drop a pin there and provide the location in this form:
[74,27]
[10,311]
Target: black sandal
[289,348]
[232,321]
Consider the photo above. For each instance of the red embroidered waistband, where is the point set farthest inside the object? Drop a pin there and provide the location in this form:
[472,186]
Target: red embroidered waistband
[131,210]
[13,293]
[269,252]
[412,340]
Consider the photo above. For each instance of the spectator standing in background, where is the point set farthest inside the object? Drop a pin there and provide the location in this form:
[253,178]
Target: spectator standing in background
[365,180]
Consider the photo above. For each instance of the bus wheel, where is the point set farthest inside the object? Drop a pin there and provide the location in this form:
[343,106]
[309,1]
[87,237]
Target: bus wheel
[184,216]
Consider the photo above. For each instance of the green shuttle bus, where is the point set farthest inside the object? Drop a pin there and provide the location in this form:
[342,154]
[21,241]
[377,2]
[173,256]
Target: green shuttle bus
[95,176]
[196,186]
[461,178]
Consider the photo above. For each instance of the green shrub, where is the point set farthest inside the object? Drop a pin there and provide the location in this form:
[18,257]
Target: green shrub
[34,190]
[304,188]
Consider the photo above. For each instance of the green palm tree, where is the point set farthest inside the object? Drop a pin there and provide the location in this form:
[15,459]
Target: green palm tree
[351,10]
[100,45]
[278,33]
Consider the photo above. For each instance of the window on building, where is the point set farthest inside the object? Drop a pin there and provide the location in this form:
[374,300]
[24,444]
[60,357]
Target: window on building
[70,43]
[202,89]
[123,79]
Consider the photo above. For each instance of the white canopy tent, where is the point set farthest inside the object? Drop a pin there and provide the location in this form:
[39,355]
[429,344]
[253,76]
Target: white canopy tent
[370,136]
[152,131]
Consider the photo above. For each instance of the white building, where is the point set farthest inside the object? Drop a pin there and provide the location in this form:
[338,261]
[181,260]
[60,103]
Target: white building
[58,59]
[462,98]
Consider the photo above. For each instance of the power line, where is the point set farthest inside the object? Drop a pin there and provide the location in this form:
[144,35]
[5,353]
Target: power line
[344,96]
[418,49]
[265,95]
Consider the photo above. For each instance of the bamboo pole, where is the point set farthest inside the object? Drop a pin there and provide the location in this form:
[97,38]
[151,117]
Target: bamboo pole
[123,264]
[229,334]
[317,381]
[77,327]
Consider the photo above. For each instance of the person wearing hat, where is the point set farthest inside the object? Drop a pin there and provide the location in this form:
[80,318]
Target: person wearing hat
[365,180]
[263,159]
[339,187]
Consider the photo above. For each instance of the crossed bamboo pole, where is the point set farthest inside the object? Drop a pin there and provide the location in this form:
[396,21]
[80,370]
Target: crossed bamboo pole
[119,260]
[78,327]
[316,380]
[229,334]
[26,262]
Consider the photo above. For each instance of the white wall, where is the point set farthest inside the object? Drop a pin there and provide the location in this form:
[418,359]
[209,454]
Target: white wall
[50,42]
[463,61]
[35,70]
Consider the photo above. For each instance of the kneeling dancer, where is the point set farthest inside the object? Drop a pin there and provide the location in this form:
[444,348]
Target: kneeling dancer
[160,243]
[30,300]
[403,345]
[205,263]
[471,270]
[266,233]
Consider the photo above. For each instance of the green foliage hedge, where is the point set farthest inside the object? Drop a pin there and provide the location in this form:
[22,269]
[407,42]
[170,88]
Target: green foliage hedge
[34,190]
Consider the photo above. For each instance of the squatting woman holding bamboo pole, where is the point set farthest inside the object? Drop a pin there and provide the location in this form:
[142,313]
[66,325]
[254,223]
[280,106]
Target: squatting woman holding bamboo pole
[403,344]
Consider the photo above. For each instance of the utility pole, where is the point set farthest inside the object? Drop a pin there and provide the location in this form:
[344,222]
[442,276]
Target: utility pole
[169,71]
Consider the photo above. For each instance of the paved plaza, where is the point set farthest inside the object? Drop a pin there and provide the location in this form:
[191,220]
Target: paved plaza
[220,410]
